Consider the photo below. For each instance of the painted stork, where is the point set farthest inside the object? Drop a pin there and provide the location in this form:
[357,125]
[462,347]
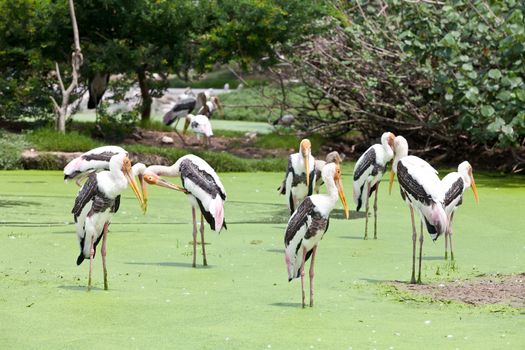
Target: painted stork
[96,202]
[368,173]
[91,161]
[299,180]
[98,84]
[200,124]
[454,185]
[421,189]
[285,120]
[186,104]
[308,224]
[204,191]
[332,157]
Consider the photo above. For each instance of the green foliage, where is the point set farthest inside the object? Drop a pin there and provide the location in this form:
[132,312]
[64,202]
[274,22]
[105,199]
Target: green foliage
[288,141]
[11,146]
[114,127]
[50,140]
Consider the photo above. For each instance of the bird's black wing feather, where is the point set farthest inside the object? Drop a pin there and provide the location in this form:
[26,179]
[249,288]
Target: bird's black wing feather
[369,159]
[187,104]
[201,178]
[453,192]
[411,186]
[116,204]
[104,156]
[298,219]
[86,194]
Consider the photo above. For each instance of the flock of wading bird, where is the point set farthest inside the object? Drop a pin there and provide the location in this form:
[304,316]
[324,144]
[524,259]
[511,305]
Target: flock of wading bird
[108,171]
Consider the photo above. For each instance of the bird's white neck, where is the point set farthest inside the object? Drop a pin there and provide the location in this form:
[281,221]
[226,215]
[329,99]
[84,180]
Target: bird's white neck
[331,189]
[162,170]
[401,152]
[388,149]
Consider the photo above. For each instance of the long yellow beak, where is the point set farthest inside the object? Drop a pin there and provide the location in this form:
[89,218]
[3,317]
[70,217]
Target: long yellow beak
[474,189]
[340,190]
[186,125]
[163,183]
[134,187]
[392,174]
[143,186]
[307,168]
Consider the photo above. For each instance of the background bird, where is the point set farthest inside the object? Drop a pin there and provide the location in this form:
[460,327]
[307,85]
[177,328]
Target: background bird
[284,120]
[368,172]
[98,83]
[204,191]
[332,157]
[186,104]
[299,179]
[200,125]
[93,160]
[421,189]
[309,223]
[96,202]
[454,185]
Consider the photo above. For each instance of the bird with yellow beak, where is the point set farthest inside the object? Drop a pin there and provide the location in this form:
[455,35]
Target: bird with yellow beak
[299,181]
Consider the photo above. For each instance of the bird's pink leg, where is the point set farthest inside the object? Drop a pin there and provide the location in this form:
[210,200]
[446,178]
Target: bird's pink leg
[103,253]
[420,253]
[450,236]
[91,254]
[312,276]
[375,210]
[202,242]
[414,237]
[366,213]
[194,236]
[302,275]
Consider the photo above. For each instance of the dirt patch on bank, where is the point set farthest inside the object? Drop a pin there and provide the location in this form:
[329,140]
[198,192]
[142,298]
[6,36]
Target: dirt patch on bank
[496,289]
[239,146]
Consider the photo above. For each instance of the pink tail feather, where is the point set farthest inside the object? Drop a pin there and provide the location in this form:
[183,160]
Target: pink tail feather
[439,218]
[218,213]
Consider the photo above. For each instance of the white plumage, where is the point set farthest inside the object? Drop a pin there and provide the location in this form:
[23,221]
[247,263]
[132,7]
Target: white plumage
[92,160]
[368,172]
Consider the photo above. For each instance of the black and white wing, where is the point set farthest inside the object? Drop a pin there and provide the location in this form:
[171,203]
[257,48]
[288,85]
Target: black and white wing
[289,170]
[363,169]
[453,186]
[86,194]
[92,160]
[181,107]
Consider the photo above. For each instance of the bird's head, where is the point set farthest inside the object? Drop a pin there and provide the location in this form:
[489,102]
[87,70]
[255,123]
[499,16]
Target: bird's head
[400,151]
[305,149]
[465,170]
[388,138]
[333,170]
[217,102]
[154,179]
[128,173]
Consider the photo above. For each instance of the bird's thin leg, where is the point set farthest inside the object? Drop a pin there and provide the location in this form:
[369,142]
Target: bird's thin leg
[91,254]
[375,211]
[202,242]
[366,214]
[420,253]
[103,254]
[312,276]
[176,132]
[414,237]
[446,242]
[194,236]
[302,276]
[450,236]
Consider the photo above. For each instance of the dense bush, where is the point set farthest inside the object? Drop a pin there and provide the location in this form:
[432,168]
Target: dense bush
[447,75]
[11,146]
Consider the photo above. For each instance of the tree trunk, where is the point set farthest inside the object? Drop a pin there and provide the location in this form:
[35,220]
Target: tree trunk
[146,97]
[76,62]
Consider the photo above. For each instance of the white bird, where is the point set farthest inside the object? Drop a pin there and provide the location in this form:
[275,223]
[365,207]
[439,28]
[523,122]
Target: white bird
[454,185]
[200,124]
[210,106]
[332,157]
[204,191]
[368,173]
[422,190]
[96,202]
[185,105]
[299,179]
[91,161]
[308,224]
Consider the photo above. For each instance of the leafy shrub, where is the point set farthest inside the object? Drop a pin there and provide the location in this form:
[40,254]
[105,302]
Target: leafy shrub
[114,127]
